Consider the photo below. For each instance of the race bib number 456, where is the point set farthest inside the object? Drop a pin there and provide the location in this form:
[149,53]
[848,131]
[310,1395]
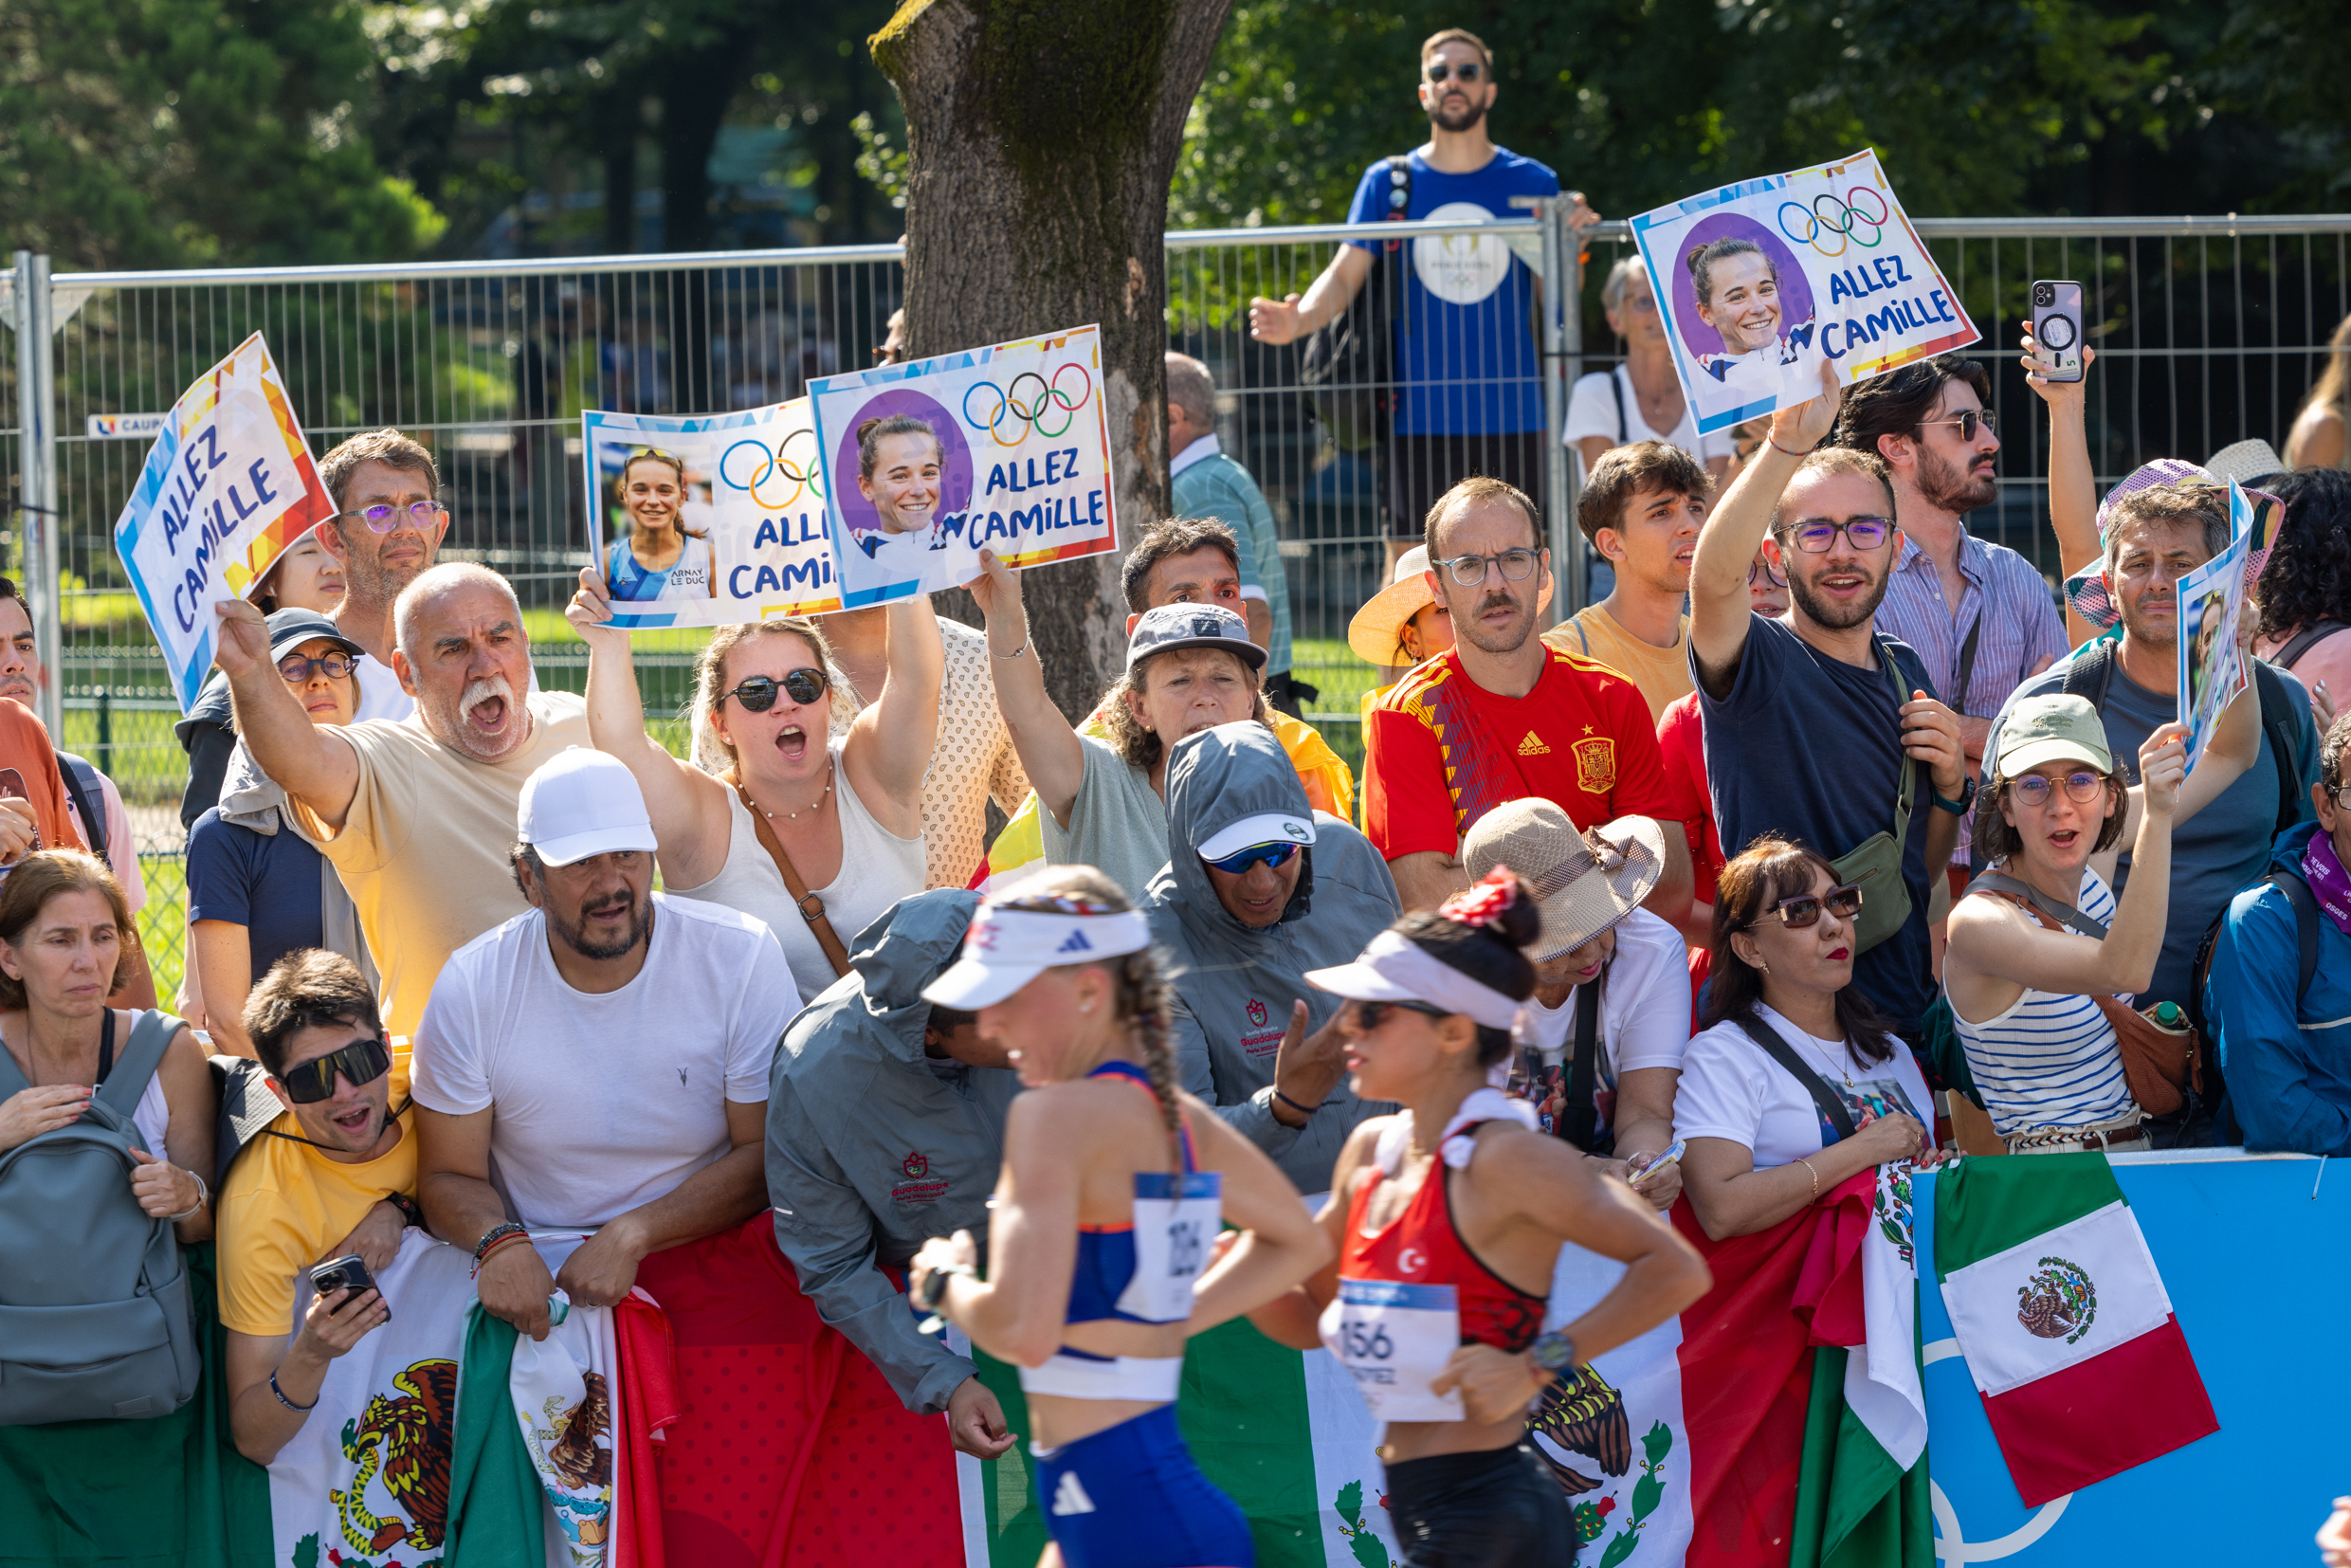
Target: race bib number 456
[1393,1339]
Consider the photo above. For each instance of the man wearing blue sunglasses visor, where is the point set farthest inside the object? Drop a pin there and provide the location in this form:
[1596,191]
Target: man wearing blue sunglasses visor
[1248,859]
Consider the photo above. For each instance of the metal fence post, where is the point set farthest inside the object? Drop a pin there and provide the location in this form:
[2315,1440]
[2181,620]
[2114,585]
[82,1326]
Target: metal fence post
[36,405]
[1562,318]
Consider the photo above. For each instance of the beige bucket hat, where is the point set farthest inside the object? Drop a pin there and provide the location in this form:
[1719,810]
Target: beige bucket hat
[1585,883]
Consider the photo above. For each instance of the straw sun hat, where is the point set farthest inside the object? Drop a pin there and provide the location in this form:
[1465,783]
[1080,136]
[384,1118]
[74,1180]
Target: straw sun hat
[1585,883]
[1377,632]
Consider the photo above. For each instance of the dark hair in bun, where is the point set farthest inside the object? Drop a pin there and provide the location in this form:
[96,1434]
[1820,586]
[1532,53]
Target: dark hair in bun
[1484,932]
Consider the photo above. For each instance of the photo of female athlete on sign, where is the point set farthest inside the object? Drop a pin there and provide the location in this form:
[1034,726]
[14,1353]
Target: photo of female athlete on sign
[662,557]
[900,464]
[1737,284]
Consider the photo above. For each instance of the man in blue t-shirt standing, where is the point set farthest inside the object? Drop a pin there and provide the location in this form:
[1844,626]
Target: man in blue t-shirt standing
[1467,368]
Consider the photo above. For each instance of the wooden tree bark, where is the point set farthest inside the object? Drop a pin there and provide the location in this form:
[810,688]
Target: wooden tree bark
[1044,135]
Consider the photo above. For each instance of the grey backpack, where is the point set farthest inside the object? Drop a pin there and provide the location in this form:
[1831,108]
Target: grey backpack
[95,1316]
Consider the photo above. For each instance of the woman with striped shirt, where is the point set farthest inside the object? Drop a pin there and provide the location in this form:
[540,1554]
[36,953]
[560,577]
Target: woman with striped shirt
[2024,974]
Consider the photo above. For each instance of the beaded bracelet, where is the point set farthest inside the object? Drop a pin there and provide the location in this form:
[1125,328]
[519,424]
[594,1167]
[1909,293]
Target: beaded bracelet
[496,1233]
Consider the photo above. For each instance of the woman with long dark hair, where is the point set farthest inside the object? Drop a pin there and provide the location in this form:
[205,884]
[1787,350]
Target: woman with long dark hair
[1448,1219]
[1100,1258]
[1783,1017]
[2304,589]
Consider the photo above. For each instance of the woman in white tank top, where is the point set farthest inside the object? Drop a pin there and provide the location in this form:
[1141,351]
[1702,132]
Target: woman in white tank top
[848,815]
[2025,997]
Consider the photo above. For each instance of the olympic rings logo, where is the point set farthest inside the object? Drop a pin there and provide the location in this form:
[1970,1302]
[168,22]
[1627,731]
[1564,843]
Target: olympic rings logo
[1030,410]
[1843,218]
[748,464]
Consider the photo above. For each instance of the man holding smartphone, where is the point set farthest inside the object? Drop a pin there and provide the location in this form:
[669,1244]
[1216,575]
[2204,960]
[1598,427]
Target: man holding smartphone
[332,1178]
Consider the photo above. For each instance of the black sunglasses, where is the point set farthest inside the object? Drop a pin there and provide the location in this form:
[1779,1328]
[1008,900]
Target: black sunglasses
[360,1062]
[757,694]
[1803,910]
[1469,71]
[1370,1015]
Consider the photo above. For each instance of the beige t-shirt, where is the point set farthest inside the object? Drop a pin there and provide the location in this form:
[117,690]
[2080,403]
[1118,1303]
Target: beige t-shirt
[423,851]
[1661,673]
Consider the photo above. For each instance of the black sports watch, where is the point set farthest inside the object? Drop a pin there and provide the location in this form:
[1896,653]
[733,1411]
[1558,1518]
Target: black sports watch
[1958,807]
[1553,1352]
[934,1284]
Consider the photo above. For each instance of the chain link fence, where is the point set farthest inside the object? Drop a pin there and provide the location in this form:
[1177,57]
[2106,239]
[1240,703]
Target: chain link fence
[2207,330]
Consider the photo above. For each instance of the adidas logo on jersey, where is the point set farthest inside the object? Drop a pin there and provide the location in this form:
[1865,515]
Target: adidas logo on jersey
[1070,1496]
[1533,746]
[1075,942]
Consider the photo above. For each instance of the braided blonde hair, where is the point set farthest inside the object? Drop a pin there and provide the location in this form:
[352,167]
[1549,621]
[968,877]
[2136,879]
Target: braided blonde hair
[1141,996]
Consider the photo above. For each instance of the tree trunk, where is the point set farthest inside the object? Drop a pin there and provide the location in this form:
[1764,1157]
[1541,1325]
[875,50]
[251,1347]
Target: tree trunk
[1044,134]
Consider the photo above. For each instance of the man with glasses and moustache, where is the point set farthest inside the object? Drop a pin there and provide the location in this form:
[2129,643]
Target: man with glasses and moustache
[1807,734]
[1502,717]
[334,1174]
[1471,387]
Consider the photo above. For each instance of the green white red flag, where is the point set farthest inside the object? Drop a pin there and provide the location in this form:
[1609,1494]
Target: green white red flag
[2068,1330]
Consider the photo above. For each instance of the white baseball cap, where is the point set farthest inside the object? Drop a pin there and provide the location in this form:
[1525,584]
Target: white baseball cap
[583,803]
[1251,831]
[1008,948]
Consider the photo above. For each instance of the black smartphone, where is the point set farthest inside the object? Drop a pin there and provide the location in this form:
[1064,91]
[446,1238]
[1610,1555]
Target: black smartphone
[345,1274]
[2057,326]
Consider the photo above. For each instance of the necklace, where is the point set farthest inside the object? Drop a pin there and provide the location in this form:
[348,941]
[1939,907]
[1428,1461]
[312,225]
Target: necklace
[1843,1072]
[793,816]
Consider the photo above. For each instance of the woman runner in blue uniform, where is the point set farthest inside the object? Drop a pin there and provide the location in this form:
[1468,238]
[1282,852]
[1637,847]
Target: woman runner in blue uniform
[1114,1188]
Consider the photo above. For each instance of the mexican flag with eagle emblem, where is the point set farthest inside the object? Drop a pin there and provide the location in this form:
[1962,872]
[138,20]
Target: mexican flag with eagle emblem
[2068,1330]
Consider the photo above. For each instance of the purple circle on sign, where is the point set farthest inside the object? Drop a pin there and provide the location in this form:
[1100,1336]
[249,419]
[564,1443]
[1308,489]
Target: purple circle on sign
[1796,291]
[955,467]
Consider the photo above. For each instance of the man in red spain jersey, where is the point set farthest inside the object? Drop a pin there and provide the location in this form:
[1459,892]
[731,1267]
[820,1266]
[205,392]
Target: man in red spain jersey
[1502,717]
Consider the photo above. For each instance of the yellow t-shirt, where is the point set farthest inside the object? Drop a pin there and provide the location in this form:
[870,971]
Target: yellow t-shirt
[1662,674]
[284,1204]
[423,849]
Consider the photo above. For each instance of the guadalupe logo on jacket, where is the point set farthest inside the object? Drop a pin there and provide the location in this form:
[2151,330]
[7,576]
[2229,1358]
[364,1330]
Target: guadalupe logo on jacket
[920,1186]
[1257,1014]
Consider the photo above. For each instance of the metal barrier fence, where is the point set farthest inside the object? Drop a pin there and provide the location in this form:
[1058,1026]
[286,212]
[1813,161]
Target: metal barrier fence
[2208,330]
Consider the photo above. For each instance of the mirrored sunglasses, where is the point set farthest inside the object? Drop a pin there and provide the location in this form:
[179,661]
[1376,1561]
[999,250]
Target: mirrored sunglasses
[360,1062]
[1469,71]
[757,694]
[1804,908]
[1275,855]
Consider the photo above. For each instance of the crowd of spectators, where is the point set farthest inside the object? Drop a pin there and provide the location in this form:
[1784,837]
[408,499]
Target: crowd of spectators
[1814,728]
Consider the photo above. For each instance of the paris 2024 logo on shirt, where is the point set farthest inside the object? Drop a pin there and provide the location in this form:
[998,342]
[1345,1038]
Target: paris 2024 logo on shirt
[1460,270]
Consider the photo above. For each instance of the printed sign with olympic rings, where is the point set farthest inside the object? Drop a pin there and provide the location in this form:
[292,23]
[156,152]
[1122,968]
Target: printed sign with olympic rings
[706,520]
[926,464]
[1764,280]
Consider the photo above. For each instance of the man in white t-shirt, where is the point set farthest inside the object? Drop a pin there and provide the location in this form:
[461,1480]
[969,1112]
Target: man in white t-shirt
[598,1064]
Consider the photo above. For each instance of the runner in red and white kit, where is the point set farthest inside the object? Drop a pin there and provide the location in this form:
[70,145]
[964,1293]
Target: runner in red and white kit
[1448,1218]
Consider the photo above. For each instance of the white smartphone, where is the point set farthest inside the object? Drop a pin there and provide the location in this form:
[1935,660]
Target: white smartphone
[2057,326]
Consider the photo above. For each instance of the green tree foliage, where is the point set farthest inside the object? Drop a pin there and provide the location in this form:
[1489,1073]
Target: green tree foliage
[2034,106]
[177,132]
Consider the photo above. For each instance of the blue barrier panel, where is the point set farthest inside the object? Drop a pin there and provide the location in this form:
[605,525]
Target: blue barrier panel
[2255,1253]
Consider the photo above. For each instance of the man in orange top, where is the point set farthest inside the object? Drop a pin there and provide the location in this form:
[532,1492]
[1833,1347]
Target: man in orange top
[1502,717]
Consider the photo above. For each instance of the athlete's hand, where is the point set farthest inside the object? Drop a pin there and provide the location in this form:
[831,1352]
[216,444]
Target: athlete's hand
[976,1421]
[1495,1385]
[940,1252]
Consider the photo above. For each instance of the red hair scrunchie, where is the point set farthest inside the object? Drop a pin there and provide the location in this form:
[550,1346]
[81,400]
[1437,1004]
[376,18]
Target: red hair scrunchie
[1483,905]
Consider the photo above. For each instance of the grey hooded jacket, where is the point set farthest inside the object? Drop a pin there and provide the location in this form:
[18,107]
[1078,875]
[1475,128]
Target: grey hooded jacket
[873,1147]
[1234,986]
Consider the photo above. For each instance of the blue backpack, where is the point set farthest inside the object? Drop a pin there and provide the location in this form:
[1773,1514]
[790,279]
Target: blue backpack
[95,1316]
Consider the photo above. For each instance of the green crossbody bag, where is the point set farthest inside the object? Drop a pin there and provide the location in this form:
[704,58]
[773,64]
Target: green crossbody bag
[1874,864]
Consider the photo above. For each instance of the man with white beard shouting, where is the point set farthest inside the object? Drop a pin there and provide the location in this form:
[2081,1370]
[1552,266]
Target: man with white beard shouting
[417,817]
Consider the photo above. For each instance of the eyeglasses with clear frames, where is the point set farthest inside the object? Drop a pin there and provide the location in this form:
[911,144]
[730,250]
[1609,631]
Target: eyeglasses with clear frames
[2082,787]
[1470,570]
[384,520]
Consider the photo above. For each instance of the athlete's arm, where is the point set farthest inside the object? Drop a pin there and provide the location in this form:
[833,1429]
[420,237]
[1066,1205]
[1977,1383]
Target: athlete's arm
[1280,1244]
[1294,1318]
[1547,1185]
[1018,1312]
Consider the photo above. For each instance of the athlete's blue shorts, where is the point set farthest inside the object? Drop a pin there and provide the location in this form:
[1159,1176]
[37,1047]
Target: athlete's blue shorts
[1130,1497]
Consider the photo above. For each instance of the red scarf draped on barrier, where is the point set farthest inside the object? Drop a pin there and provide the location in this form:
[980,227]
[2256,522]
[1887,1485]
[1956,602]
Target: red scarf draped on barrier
[786,1446]
[1746,1359]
